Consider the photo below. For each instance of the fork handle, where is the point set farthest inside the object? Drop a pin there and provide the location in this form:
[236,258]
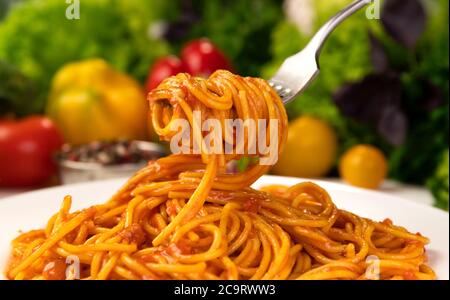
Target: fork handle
[320,37]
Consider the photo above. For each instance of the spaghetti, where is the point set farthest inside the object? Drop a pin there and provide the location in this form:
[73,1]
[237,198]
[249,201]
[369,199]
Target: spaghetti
[185,217]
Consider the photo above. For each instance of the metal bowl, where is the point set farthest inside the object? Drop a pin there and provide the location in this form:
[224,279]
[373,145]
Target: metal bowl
[77,171]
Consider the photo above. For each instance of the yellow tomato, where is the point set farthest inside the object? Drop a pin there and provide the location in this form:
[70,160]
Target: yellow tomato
[310,149]
[363,166]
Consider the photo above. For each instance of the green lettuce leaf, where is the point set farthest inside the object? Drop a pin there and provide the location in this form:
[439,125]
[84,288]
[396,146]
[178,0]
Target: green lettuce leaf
[37,38]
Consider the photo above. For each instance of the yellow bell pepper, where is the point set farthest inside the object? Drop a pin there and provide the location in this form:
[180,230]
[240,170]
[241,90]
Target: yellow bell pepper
[89,101]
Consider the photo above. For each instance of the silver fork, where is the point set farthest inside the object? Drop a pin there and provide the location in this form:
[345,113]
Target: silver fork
[299,70]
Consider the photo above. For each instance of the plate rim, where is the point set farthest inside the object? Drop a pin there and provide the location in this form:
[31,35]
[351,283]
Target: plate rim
[340,186]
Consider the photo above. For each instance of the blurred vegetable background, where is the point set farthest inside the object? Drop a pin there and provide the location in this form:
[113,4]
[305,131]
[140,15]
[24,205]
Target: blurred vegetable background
[383,82]
[37,38]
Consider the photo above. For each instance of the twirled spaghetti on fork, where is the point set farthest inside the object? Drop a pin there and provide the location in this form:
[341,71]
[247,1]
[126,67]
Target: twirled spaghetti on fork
[185,217]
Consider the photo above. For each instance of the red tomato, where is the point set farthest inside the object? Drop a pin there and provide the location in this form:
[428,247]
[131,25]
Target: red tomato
[26,151]
[163,68]
[202,58]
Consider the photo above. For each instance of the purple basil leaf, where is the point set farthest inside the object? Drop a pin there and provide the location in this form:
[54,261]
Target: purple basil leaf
[366,100]
[404,20]
[393,125]
[380,60]
[433,96]
[179,29]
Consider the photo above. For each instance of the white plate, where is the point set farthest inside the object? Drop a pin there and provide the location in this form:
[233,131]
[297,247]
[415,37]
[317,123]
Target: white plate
[31,210]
